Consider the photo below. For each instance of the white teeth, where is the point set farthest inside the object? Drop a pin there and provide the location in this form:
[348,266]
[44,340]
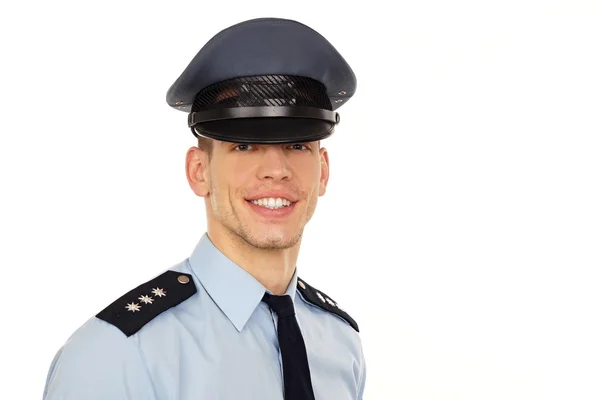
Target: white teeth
[272,203]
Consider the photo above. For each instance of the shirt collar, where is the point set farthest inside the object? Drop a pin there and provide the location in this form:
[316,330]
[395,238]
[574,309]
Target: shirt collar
[235,291]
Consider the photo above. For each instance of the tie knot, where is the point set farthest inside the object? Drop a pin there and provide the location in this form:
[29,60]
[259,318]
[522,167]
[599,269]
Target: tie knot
[282,305]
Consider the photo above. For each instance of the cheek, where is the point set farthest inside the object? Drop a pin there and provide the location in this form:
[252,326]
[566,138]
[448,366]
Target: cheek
[307,180]
[317,180]
[312,191]
[311,203]
[218,189]
[230,182]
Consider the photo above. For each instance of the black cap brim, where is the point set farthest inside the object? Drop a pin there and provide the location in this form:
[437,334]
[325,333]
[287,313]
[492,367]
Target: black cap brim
[268,130]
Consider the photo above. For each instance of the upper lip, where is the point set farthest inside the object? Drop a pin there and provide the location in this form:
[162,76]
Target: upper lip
[272,193]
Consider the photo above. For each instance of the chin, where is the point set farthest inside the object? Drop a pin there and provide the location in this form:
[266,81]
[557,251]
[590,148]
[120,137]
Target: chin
[272,240]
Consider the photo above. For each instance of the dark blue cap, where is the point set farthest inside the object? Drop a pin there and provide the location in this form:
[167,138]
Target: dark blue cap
[266,80]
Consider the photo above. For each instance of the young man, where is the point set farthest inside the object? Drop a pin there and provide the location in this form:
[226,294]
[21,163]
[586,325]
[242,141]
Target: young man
[234,320]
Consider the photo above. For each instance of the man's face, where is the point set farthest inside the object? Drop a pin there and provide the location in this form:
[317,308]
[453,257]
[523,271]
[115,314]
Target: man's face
[265,194]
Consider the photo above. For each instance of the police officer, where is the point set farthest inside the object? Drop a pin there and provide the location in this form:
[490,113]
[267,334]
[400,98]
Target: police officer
[234,320]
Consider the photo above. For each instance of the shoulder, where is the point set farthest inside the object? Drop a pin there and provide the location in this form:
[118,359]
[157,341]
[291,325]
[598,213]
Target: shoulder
[97,362]
[101,359]
[323,301]
[132,311]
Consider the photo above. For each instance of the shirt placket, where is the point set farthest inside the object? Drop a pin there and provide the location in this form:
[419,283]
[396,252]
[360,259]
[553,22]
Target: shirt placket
[274,319]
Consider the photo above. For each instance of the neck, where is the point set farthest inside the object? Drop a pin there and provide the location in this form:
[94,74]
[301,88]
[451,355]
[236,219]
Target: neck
[274,269]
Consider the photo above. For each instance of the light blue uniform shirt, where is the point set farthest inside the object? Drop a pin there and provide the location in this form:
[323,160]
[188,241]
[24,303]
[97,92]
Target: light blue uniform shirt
[219,344]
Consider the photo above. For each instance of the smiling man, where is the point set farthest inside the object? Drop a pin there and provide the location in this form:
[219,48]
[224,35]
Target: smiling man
[234,320]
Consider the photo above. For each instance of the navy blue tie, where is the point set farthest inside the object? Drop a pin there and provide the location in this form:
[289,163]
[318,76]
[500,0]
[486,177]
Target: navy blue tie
[296,374]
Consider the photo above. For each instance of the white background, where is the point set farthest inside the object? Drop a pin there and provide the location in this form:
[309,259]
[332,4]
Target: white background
[461,228]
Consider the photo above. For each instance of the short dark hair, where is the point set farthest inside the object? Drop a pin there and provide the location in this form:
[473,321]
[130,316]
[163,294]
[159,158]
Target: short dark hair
[205,144]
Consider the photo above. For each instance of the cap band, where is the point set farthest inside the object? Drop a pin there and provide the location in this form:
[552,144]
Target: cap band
[261,112]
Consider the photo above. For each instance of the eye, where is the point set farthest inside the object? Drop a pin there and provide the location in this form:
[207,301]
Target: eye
[298,146]
[243,147]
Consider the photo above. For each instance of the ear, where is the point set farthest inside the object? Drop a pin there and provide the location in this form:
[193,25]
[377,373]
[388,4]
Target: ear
[196,168]
[324,170]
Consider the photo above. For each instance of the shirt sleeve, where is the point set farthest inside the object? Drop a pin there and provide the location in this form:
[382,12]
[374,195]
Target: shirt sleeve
[97,363]
[363,376]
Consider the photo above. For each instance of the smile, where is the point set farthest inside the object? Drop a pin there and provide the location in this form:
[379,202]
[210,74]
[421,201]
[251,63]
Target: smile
[272,203]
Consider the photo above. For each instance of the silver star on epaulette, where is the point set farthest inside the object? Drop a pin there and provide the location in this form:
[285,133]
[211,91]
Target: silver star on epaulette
[146,299]
[133,307]
[159,292]
[321,297]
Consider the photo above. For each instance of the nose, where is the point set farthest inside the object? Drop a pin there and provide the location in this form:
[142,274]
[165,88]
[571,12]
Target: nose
[274,163]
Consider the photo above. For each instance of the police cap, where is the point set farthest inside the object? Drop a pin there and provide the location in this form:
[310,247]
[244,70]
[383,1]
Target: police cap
[266,80]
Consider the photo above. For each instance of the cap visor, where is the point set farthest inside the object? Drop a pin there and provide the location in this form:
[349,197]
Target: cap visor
[270,130]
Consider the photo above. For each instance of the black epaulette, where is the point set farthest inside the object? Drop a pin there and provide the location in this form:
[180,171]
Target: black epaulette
[144,303]
[323,301]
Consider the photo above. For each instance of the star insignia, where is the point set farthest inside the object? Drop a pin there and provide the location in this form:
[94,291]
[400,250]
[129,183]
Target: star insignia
[133,307]
[146,299]
[159,292]
[321,297]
